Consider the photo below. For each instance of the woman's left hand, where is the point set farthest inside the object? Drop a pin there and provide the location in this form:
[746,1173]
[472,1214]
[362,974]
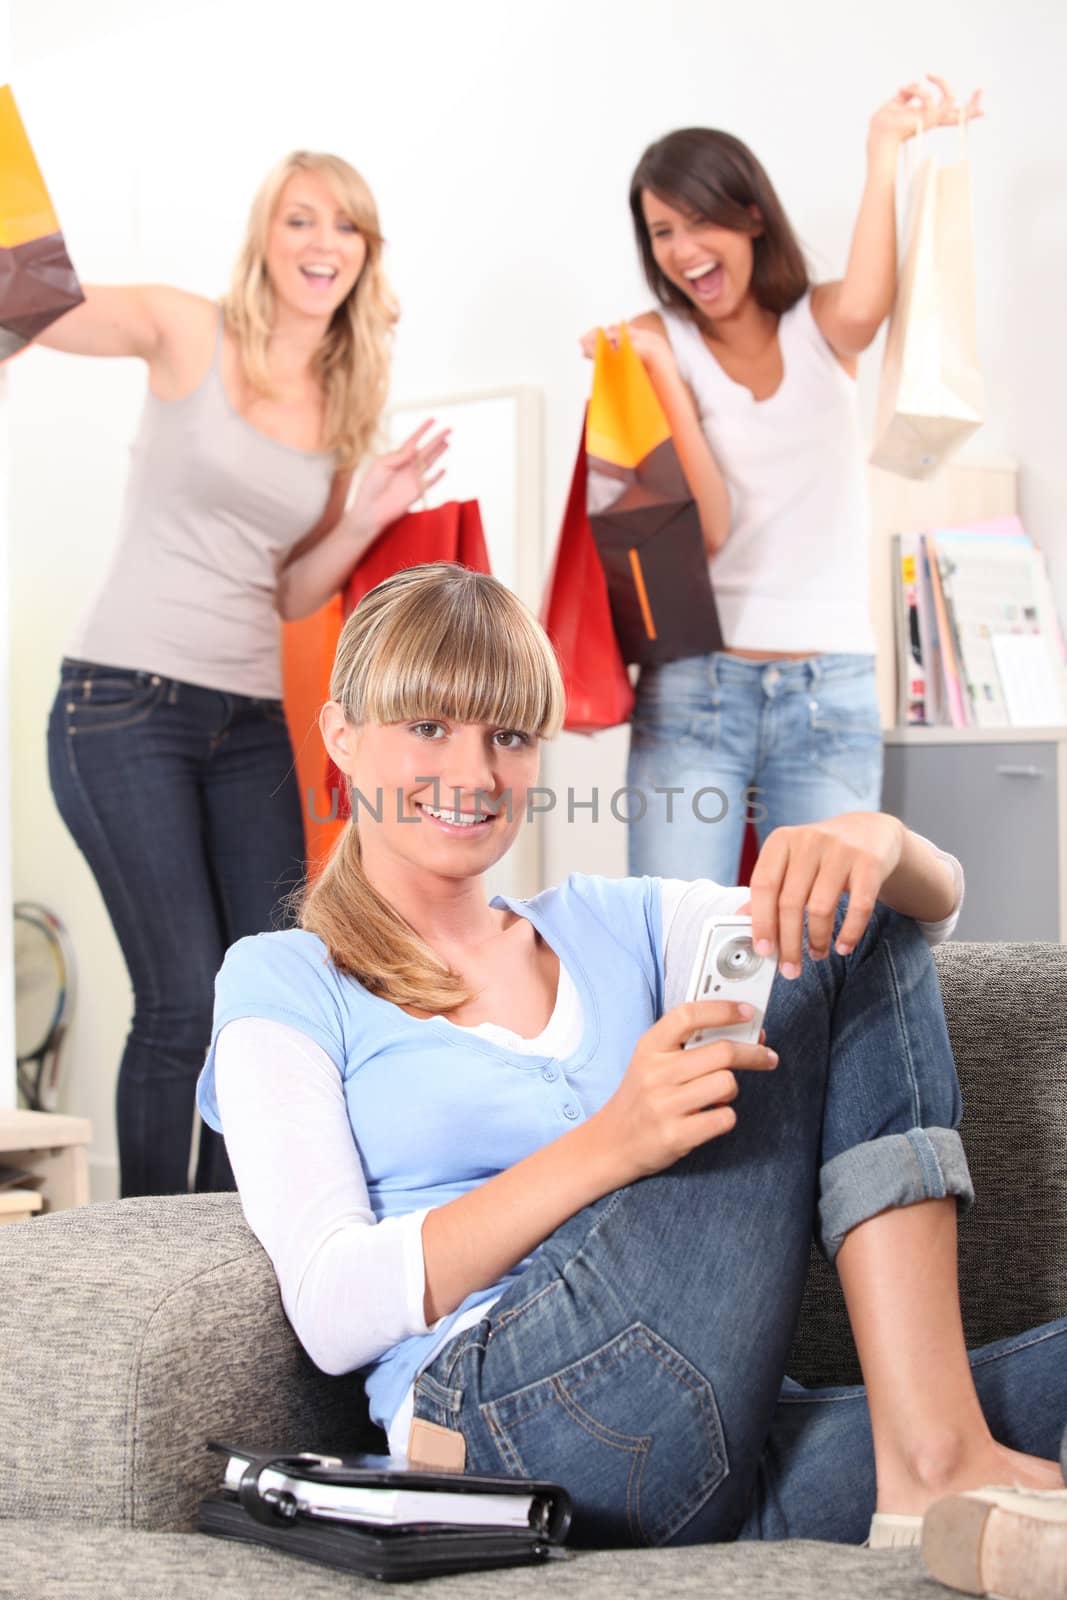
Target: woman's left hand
[393,483]
[653,349]
[809,868]
[915,106]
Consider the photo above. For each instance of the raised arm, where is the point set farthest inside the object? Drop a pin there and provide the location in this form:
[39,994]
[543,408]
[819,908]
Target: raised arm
[142,319]
[850,311]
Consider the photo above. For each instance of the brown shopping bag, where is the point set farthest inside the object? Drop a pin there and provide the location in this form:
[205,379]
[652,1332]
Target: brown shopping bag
[931,394]
[643,517]
[37,281]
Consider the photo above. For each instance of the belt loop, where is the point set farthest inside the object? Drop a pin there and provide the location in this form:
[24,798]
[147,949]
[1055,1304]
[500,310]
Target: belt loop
[814,672]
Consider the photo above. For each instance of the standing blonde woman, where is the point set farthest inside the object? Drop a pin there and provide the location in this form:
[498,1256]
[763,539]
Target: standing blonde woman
[169,757]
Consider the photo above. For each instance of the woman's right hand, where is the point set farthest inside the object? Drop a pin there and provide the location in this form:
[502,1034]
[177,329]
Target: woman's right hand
[672,1099]
[915,108]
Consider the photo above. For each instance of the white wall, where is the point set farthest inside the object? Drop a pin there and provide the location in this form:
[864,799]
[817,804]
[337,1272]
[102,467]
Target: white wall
[499,142]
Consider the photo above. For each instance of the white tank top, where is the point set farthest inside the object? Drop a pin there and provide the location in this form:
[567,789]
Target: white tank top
[213,506]
[793,574]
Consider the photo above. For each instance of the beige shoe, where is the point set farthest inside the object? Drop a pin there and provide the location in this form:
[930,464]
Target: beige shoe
[1008,1543]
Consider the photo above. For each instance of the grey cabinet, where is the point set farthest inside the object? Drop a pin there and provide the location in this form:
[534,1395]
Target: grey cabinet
[999,805]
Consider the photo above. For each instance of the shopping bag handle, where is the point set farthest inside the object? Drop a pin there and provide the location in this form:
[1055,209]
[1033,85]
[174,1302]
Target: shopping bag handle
[919,146]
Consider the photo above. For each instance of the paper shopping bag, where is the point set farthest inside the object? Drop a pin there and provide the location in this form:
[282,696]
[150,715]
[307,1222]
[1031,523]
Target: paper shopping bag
[37,281]
[643,517]
[452,532]
[931,394]
[576,615]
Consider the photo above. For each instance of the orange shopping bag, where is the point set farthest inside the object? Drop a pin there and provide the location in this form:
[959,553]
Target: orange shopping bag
[308,649]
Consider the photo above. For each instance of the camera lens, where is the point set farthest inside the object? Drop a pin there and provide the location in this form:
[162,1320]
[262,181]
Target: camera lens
[737,959]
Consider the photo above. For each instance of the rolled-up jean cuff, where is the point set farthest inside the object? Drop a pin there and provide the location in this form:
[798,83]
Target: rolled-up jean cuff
[897,1170]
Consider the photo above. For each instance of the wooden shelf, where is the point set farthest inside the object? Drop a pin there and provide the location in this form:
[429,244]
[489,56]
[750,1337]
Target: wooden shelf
[18,1204]
[920,735]
[53,1146]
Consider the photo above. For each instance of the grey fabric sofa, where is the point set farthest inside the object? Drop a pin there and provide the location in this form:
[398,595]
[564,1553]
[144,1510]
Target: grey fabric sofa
[131,1332]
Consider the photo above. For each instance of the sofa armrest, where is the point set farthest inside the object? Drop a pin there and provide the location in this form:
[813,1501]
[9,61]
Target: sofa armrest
[133,1332]
[1006,1009]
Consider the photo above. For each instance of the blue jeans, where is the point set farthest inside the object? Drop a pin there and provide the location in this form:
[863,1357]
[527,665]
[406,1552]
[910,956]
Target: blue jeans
[786,741]
[640,1359]
[184,803]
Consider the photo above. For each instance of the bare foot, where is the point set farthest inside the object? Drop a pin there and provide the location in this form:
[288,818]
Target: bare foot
[993,1465]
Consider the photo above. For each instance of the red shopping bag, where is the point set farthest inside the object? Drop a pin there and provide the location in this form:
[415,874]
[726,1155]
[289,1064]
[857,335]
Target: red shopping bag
[452,532]
[576,615]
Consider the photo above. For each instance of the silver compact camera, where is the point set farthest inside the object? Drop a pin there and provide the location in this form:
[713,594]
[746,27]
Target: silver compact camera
[727,967]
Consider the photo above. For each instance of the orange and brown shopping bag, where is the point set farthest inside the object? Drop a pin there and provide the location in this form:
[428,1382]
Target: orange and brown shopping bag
[37,281]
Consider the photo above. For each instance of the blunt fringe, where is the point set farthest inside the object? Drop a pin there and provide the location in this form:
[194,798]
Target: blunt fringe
[706,173]
[431,641]
[352,362]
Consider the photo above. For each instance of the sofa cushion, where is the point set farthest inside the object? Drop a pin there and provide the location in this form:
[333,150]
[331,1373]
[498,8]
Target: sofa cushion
[40,1561]
[131,1333]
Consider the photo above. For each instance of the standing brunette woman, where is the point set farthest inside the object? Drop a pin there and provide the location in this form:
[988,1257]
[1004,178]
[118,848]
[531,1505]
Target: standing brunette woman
[168,751]
[755,367]
[558,1243]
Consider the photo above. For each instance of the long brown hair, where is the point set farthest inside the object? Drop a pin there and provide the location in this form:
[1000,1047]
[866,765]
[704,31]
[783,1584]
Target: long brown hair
[352,362]
[710,174]
[431,641]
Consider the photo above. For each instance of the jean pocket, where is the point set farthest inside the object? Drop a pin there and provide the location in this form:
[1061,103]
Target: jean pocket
[111,701]
[845,738]
[666,734]
[632,1430]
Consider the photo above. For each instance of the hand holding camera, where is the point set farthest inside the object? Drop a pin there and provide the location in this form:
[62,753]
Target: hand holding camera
[673,1098]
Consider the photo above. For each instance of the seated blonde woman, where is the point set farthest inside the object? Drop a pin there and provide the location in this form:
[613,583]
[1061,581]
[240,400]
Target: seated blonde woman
[556,1243]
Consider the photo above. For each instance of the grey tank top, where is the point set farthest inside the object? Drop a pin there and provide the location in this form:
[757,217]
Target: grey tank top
[212,508]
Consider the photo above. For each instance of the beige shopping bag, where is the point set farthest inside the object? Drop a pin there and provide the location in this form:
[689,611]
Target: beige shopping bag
[931,394]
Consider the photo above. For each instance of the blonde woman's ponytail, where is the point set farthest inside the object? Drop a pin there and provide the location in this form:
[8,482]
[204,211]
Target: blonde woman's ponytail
[368,941]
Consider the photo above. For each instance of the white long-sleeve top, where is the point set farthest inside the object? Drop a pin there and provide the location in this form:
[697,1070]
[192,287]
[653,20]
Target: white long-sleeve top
[352,1287]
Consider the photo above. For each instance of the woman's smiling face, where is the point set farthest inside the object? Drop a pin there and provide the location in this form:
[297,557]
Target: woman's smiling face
[315,251]
[711,265]
[439,795]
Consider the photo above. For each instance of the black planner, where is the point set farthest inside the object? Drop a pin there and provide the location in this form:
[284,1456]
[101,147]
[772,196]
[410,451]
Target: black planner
[377,1517]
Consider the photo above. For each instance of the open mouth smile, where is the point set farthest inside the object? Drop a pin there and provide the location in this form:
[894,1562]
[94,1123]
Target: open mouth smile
[320,277]
[705,282]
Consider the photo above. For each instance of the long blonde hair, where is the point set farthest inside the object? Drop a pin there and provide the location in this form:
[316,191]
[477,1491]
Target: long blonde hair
[352,362]
[431,641]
